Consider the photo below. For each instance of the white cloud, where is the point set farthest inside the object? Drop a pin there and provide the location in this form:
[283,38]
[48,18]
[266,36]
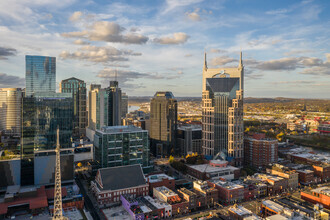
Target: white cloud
[173,4]
[221,61]
[108,32]
[176,38]
[80,42]
[99,54]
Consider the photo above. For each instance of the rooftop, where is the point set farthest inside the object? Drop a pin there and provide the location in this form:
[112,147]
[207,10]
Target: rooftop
[240,210]
[165,191]
[166,94]
[119,129]
[210,169]
[272,205]
[158,178]
[322,190]
[114,178]
[227,185]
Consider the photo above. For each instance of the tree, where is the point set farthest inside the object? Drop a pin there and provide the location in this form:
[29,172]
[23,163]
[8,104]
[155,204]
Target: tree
[171,159]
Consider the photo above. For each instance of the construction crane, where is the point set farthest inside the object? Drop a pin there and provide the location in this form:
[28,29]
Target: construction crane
[58,212]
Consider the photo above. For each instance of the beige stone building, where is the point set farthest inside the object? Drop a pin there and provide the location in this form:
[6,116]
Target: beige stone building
[222,110]
[163,123]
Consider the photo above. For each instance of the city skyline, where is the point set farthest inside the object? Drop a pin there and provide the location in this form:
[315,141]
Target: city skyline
[154,46]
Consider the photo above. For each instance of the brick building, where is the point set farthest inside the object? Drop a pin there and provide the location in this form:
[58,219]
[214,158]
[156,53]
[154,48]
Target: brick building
[238,212]
[111,183]
[306,177]
[291,175]
[269,208]
[209,193]
[259,151]
[322,171]
[179,206]
[228,192]
[320,195]
[158,180]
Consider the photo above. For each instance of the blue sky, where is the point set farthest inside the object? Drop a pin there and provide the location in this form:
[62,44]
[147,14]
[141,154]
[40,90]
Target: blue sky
[159,45]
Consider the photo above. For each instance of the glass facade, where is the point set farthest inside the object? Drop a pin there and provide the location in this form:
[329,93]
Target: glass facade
[10,110]
[121,145]
[42,114]
[114,104]
[77,88]
[40,74]
[222,91]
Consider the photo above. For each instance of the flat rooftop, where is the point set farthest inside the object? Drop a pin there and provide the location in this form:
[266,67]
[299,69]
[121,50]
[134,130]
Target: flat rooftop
[118,212]
[272,205]
[158,178]
[240,210]
[120,129]
[227,185]
[322,190]
[165,191]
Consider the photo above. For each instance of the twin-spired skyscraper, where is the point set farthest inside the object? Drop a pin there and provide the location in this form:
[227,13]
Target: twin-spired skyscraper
[222,111]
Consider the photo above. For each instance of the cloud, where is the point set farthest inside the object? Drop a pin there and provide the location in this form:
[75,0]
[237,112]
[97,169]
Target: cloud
[177,38]
[295,52]
[80,42]
[7,51]
[99,54]
[288,63]
[173,4]
[188,55]
[214,50]
[108,32]
[278,11]
[9,81]
[221,61]
[194,16]
[76,16]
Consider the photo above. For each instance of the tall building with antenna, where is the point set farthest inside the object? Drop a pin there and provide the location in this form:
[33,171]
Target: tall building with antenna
[222,111]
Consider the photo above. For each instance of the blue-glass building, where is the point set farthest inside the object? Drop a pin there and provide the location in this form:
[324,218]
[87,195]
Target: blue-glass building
[40,74]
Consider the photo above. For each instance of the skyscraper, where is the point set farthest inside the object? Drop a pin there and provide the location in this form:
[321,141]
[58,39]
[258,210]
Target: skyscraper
[10,110]
[77,88]
[124,105]
[40,74]
[114,104]
[163,123]
[42,115]
[222,111]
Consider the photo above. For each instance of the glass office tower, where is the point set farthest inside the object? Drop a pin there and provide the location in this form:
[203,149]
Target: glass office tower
[121,145]
[77,88]
[114,104]
[40,74]
[42,114]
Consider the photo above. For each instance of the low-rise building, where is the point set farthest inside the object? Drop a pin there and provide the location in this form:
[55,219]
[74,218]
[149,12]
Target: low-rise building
[269,208]
[214,170]
[306,177]
[228,192]
[161,179]
[179,206]
[318,196]
[238,212]
[291,175]
[209,193]
[110,183]
[322,171]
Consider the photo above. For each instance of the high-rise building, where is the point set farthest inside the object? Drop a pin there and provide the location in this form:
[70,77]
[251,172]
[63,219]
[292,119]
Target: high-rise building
[40,74]
[42,114]
[163,123]
[77,88]
[222,111]
[114,104]
[97,109]
[11,110]
[121,145]
[260,151]
[189,139]
[124,105]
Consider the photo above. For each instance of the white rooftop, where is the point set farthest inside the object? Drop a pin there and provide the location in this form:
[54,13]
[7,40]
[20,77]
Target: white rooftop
[165,191]
[227,185]
[322,190]
[120,129]
[158,178]
[240,210]
[272,205]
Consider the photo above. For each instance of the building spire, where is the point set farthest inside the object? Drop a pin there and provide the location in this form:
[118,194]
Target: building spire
[240,60]
[205,62]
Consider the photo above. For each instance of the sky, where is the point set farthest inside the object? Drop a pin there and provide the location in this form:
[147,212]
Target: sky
[159,45]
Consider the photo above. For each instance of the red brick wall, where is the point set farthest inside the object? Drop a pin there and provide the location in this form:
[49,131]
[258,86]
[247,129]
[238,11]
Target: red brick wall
[316,198]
